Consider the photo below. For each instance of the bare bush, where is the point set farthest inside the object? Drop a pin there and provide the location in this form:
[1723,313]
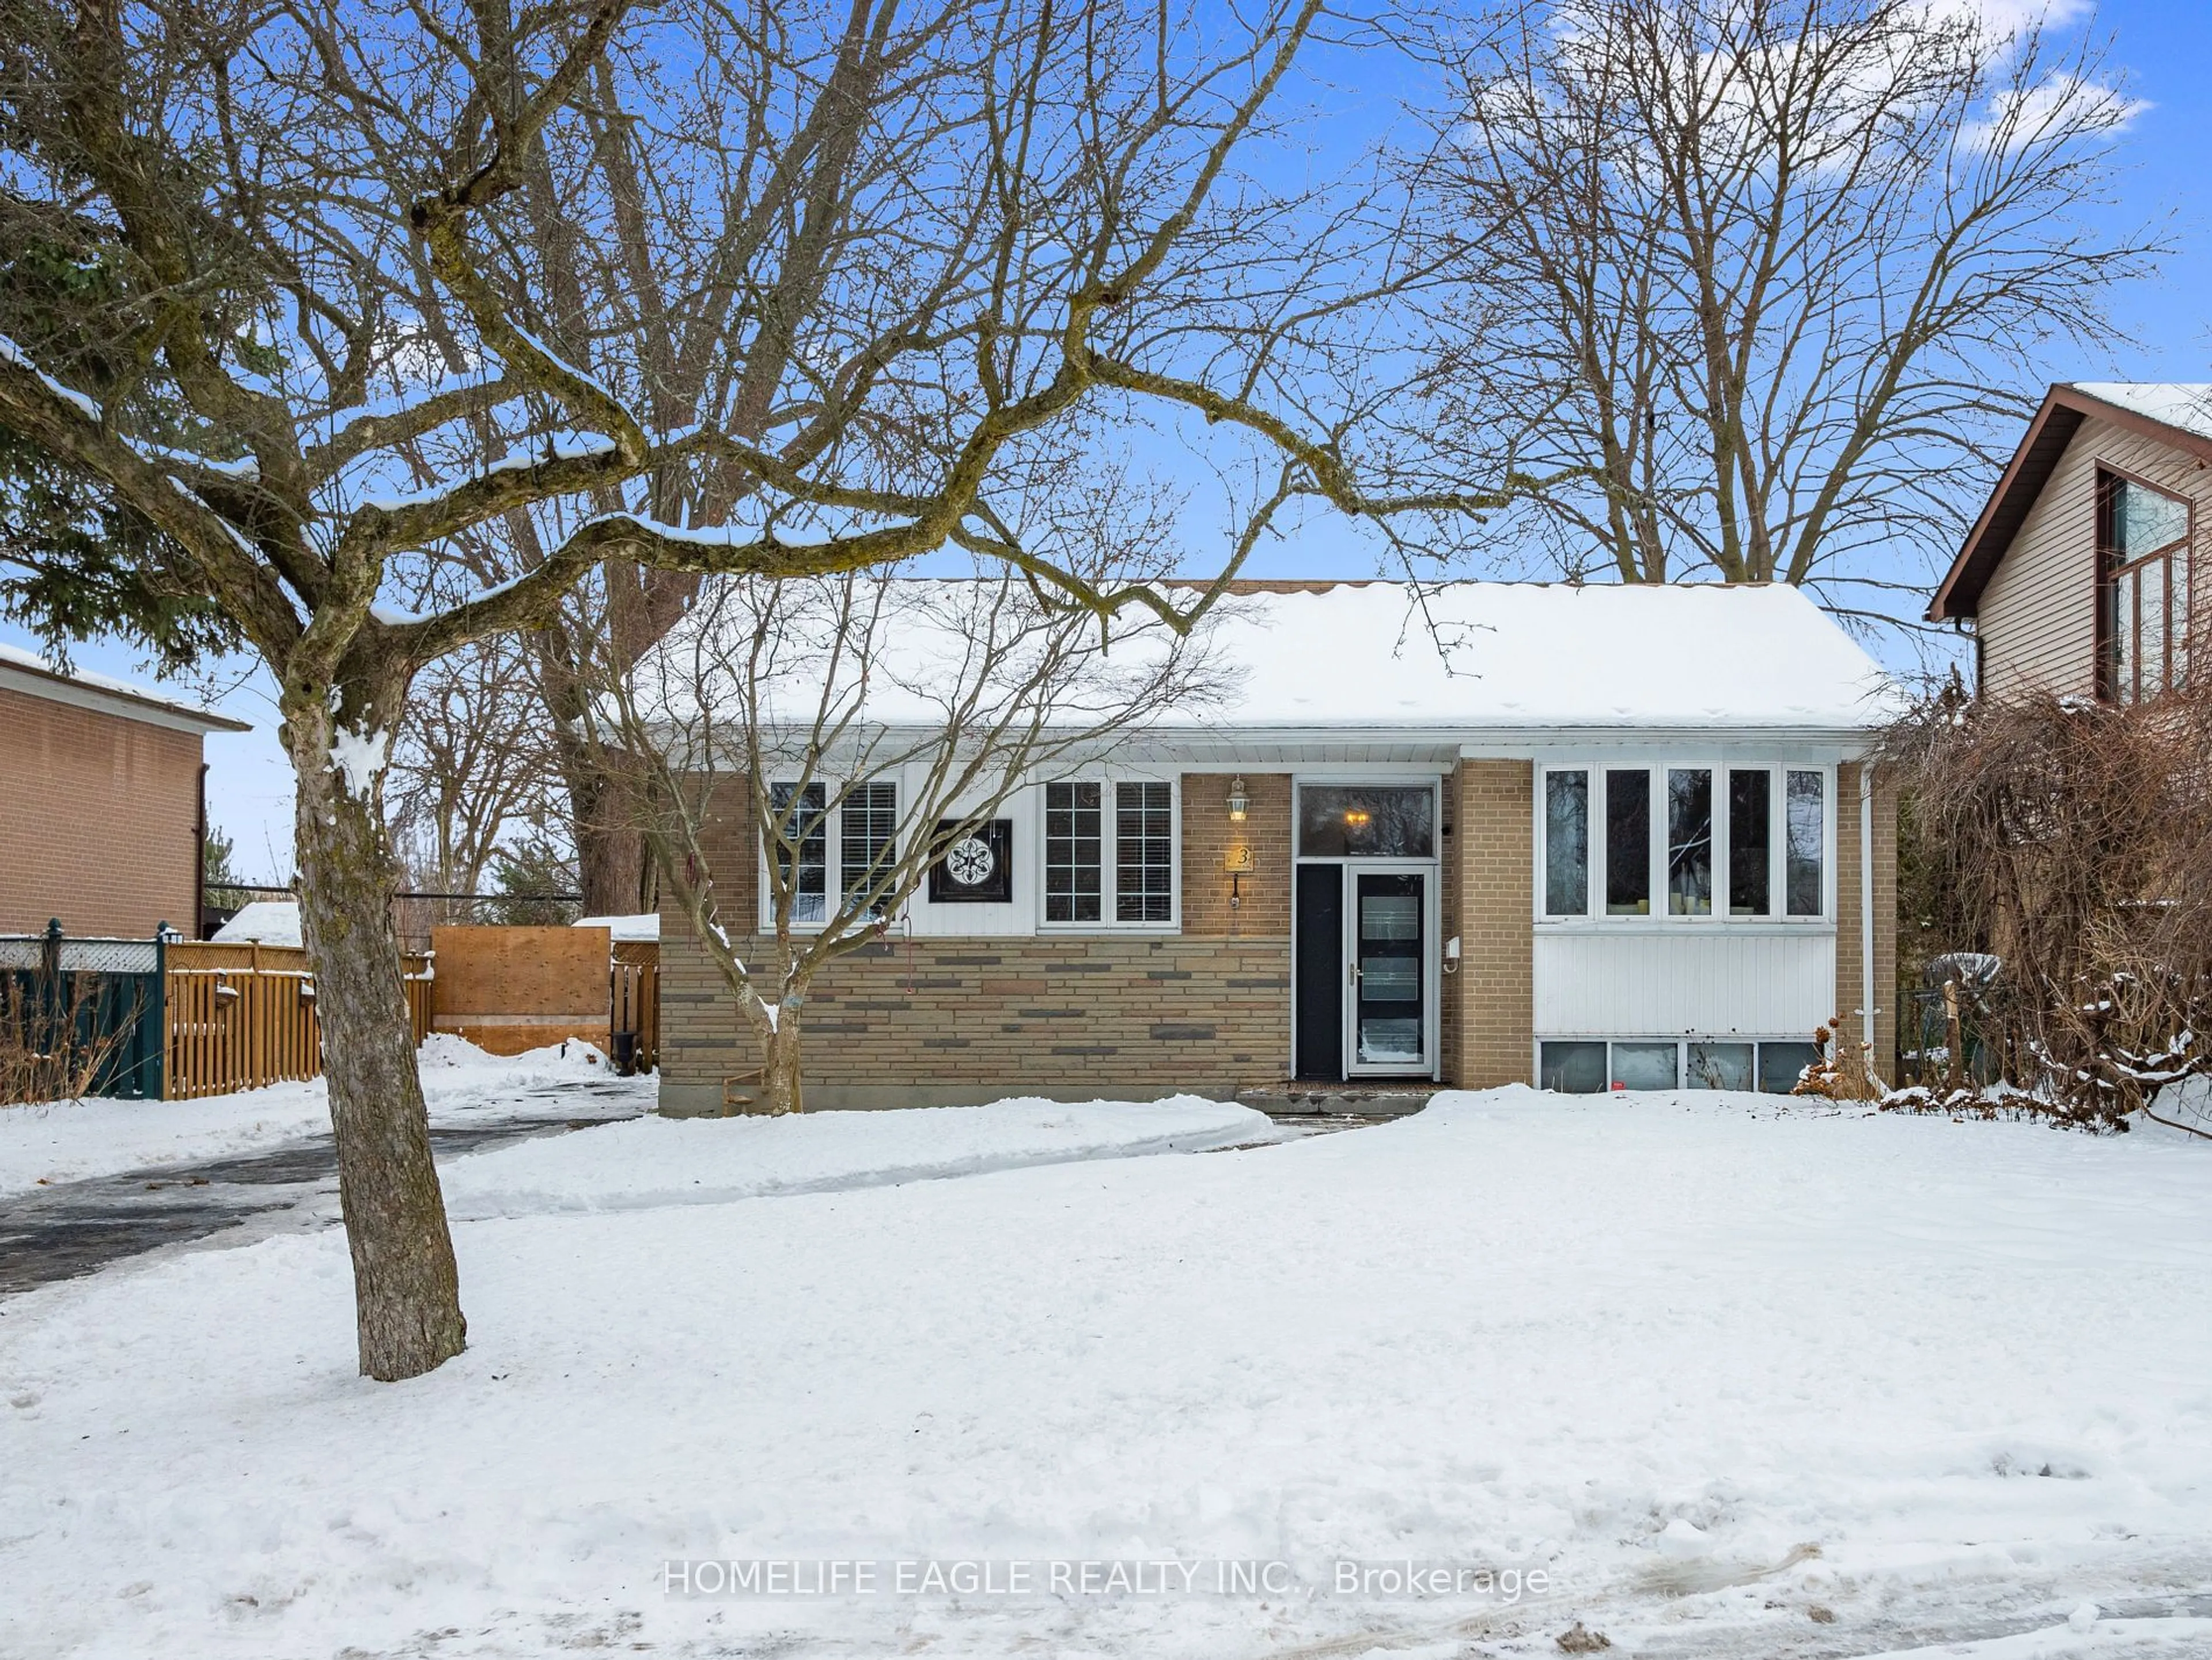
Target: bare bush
[2073,841]
[53,1045]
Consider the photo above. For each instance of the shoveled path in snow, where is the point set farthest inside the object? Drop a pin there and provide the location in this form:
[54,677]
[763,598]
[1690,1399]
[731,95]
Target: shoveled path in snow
[72,1228]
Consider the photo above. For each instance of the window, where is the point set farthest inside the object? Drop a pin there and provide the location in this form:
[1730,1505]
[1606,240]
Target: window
[1113,838]
[1566,844]
[1741,842]
[1594,1066]
[1572,1068]
[1646,1065]
[1690,843]
[1781,1065]
[1366,823]
[1628,842]
[2143,601]
[866,835]
[799,823]
[1072,855]
[1719,1067]
[1144,852]
[1805,833]
[1750,851]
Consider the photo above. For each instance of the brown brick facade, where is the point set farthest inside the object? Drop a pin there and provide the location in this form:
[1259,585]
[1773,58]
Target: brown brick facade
[1493,835]
[101,823]
[974,1019]
[1208,836]
[1850,916]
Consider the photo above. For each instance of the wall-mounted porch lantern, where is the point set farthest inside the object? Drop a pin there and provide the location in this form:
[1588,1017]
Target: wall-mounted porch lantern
[1240,804]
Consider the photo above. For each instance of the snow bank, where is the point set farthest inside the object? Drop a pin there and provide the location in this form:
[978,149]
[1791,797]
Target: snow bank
[70,1141]
[678,1161]
[1938,1380]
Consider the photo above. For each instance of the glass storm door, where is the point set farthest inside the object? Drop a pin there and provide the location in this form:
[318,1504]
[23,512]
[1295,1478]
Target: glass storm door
[1388,991]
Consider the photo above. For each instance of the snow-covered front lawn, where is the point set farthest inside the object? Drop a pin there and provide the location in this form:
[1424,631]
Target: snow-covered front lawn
[71,1140]
[1716,1366]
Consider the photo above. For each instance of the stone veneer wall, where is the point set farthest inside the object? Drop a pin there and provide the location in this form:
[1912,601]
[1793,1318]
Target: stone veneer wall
[1493,839]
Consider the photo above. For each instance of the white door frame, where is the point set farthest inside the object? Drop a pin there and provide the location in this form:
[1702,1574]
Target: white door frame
[1431,1061]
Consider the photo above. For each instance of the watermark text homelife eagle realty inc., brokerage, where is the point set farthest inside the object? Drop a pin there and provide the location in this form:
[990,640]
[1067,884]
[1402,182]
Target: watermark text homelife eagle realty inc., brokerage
[1020,1577]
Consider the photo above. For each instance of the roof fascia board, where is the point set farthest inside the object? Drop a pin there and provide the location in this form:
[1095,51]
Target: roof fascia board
[60,688]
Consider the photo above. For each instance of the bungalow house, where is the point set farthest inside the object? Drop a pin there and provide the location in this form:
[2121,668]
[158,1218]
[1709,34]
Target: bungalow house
[1568,836]
[2079,576]
[106,810]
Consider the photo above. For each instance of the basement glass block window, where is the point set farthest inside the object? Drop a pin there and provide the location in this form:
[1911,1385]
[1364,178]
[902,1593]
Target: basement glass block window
[1074,852]
[1690,843]
[799,829]
[1144,852]
[1566,844]
[1366,822]
[1628,842]
[1804,843]
[1751,846]
[867,828]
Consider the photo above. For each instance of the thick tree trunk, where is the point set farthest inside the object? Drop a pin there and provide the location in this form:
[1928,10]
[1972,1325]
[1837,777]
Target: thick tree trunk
[610,850]
[780,1089]
[406,1288]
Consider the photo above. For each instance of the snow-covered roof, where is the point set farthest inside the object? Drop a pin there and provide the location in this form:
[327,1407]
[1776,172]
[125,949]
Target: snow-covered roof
[2183,404]
[625,928]
[1439,664]
[263,923]
[1485,655]
[27,672]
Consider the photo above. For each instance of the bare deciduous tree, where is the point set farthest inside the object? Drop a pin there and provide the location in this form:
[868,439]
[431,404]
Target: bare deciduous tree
[1766,275]
[336,339]
[905,711]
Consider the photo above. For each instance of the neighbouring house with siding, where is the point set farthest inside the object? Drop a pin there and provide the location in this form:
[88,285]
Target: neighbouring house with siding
[1488,833]
[105,811]
[2080,577]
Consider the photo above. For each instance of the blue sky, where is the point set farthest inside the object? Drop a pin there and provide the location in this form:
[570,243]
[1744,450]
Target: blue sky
[2164,49]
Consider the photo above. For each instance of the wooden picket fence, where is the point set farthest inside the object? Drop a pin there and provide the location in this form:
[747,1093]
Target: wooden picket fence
[238,1016]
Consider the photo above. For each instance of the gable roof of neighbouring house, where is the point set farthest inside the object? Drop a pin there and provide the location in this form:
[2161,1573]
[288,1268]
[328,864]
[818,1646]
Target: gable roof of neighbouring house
[2173,413]
[29,672]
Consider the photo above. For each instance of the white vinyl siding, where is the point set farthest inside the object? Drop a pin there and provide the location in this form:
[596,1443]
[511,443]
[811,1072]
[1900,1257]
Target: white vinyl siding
[1677,982]
[2037,620]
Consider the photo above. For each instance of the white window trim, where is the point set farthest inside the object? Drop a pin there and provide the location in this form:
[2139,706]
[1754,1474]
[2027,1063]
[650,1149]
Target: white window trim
[1657,765]
[1109,850]
[833,833]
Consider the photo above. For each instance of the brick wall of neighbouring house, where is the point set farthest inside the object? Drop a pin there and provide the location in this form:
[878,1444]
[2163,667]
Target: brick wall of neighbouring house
[1493,839]
[1850,926]
[99,826]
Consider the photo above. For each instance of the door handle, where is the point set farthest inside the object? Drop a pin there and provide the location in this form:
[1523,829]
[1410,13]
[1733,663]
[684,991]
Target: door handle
[1351,973]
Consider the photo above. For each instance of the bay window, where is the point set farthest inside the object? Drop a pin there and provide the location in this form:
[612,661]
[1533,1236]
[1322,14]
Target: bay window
[1748,843]
[1628,842]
